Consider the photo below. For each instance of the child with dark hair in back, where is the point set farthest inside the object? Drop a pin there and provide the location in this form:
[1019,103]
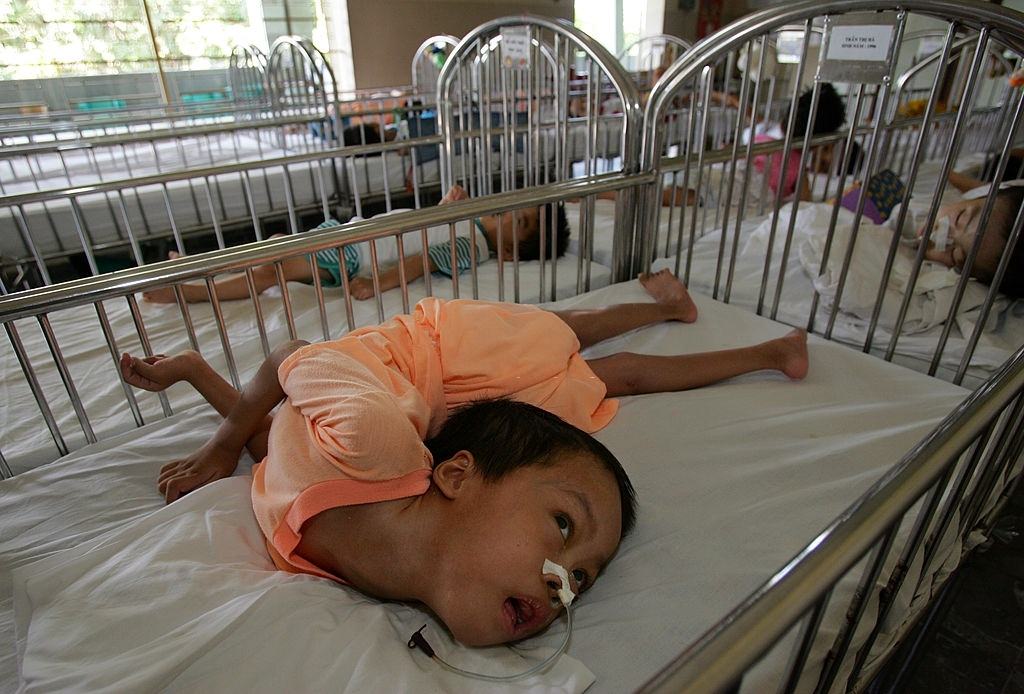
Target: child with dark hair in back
[963,220]
[784,167]
[381,470]
[505,236]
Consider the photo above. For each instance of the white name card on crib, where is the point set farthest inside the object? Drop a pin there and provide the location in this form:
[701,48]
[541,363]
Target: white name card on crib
[515,47]
[858,47]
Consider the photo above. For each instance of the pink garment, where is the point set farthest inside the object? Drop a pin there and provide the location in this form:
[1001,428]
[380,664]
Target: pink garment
[792,167]
[351,429]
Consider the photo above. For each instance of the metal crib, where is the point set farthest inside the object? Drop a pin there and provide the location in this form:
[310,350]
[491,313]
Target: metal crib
[954,479]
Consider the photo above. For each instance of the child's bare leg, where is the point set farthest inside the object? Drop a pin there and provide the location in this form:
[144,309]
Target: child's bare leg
[237,286]
[633,374]
[157,373]
[672,302]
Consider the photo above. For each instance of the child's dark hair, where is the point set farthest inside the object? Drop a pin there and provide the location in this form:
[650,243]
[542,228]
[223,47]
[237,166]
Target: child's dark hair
[1000,223]
[504,435]
[555,220]
[362,134]
[829,117]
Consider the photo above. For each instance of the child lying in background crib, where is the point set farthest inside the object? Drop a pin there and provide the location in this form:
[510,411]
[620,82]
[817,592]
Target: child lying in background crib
[963,217]
[956,226]
[347,485]
[492,235]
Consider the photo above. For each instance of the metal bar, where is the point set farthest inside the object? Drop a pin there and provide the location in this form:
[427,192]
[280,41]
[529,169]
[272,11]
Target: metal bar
[147,347]
[66,378]
[786,153]
[223,332]
[286,300]
[37,390]
[115,355]
[809,632]
[254,296]
[835,657]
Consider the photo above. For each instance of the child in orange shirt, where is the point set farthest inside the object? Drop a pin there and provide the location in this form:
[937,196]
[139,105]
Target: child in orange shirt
[365,462]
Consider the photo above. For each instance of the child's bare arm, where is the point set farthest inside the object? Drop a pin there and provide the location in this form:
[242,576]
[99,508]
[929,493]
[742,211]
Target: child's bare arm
[362,287]
[218,458]
[963,183]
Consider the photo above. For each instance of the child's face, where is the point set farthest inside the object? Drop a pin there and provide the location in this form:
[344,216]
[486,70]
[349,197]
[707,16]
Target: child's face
[490,589]
[963,219]
[526,225]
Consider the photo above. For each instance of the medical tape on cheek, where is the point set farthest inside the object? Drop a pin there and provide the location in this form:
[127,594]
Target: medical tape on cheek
[565,593]
[940,234]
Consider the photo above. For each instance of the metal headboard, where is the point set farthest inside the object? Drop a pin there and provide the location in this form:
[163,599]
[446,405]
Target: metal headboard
[428,60]
[510,126]
[300,78]
[247,75]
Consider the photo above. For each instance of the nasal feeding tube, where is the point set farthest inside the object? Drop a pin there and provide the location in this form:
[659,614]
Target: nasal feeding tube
[565,596]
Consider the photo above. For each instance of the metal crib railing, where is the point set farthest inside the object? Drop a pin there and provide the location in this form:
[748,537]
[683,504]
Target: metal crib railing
[953,480]
[951,472]
[37,305]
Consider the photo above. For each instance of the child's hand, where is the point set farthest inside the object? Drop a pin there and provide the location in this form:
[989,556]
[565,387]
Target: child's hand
[209,464]
[158,372]
[454,194]
[361,288]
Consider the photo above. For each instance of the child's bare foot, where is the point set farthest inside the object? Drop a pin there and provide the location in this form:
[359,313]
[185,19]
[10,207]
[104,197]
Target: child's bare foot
[159,372]
[792,353]
[668,291]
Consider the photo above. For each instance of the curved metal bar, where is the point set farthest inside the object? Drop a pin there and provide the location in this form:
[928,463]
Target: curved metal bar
[621,82]
[247,67]
[421,65]
[314,74]
[648,46]
[911,72]
[566,41]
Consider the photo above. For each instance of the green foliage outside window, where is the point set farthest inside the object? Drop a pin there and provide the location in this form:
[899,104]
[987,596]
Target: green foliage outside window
[60,38]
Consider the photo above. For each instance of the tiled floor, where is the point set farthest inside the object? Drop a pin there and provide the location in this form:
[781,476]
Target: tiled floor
[976,642]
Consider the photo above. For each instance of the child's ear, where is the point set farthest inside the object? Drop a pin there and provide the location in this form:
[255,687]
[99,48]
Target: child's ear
[450,476]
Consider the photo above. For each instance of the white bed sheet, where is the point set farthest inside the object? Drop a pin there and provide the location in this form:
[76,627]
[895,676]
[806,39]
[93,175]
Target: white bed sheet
[25,440]
[732,479]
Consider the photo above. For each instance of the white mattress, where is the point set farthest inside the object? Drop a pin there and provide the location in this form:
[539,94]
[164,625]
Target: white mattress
[732,480]
[25,439]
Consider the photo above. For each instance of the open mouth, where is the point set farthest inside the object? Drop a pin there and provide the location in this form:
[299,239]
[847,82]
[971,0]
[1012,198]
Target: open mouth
[523,615]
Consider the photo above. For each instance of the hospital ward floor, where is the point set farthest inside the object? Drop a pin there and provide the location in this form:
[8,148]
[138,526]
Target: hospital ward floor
[975,641]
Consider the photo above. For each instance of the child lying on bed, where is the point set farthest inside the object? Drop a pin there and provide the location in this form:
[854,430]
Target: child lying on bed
[963,217]
[492,235]
[958,223]
[367,477]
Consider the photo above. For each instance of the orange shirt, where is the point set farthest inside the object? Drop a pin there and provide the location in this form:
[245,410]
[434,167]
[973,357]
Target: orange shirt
[358,408]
